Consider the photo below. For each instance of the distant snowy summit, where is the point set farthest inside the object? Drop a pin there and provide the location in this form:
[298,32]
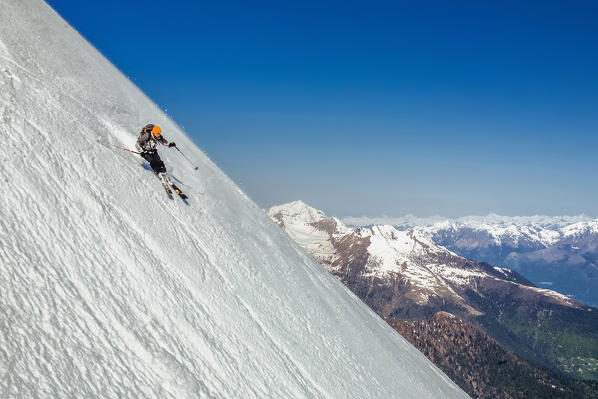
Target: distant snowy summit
[540,228]
[524,232]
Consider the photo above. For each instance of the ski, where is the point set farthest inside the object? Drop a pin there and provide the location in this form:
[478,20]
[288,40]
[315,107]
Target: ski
[178,191]
[168,184]
[167,189]
[165,185]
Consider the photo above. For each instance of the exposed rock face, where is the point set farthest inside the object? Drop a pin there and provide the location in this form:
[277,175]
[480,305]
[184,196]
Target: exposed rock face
[405,275]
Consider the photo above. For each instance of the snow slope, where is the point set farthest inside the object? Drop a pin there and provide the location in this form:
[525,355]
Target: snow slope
[108,288]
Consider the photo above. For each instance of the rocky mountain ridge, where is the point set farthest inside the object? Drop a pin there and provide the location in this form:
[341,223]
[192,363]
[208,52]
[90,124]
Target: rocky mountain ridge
[426,270]
[560,253]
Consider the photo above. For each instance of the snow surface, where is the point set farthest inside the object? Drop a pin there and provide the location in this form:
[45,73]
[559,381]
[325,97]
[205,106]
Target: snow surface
[110,289]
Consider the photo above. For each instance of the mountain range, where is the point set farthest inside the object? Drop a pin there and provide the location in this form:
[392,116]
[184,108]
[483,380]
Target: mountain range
[406,275]
[560,253]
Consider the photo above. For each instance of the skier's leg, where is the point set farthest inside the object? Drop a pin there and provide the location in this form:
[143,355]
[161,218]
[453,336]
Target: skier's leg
[156,163]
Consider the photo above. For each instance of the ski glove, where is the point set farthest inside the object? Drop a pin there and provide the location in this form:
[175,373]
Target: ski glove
[172,144]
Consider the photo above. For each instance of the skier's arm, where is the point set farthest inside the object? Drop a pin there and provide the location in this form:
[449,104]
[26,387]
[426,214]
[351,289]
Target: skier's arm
[165,142]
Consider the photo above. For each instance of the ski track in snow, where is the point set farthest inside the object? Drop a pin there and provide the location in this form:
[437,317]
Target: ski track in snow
[108,288]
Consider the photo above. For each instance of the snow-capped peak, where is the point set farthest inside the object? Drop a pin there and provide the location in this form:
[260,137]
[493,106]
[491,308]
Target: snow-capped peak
[579,229]
[299,211]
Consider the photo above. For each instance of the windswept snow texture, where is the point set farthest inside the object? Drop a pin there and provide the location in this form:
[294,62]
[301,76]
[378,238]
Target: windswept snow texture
[109,288]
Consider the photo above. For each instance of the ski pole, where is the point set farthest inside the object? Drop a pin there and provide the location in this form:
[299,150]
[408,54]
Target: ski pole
[116,146]
[126,149]
[183,154]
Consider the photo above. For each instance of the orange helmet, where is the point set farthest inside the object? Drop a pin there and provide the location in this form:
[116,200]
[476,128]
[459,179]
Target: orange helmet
[156,131]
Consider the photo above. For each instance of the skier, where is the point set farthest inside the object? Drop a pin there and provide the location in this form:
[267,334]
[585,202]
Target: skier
[147,144]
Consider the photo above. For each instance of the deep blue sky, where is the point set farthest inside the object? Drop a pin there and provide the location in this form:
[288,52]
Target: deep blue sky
[374,107]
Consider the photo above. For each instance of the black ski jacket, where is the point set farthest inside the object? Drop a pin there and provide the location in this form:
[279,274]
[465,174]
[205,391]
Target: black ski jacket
[146,142]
